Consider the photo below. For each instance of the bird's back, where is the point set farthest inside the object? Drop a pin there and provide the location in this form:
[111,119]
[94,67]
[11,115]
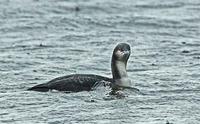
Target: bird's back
[72,83]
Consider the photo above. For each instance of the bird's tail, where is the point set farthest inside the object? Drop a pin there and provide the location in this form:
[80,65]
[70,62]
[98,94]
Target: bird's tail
[40,88]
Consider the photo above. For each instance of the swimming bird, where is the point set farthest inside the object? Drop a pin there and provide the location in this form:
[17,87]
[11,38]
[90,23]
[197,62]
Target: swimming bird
[86,82]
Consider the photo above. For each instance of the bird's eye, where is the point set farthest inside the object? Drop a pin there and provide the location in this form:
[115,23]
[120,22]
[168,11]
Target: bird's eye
[120,49]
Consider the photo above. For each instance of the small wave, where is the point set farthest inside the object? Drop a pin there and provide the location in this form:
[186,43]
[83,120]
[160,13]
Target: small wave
[161,6]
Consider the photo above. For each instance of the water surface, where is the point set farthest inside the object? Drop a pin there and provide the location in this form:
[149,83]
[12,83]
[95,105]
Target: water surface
[44,39]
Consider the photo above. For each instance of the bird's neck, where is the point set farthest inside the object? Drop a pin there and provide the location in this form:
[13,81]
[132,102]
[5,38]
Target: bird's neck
[120,77]
[118,69]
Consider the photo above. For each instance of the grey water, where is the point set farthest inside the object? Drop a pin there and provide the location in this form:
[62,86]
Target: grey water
[44,39]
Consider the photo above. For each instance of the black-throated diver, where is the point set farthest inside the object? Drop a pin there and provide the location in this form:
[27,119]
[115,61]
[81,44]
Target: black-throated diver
[86,82]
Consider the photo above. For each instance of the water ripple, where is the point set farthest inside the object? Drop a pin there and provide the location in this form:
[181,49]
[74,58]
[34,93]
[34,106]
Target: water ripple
[41,40]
